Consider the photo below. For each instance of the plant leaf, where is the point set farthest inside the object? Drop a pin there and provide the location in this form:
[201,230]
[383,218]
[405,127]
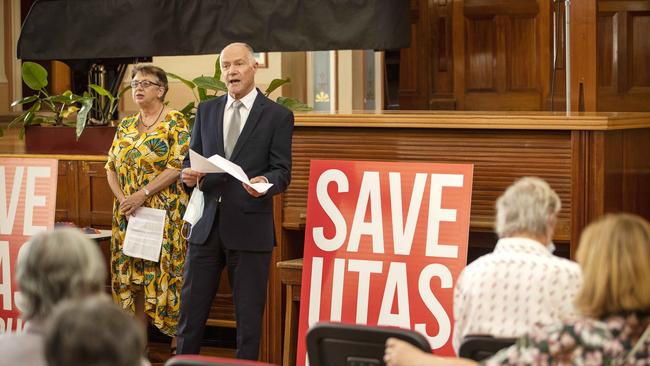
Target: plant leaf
[34,75]
[63,99]
[68,111]
[18,119]
[187,109]
[210,83]
[119,95]
[217,68]
[293,104]
[21,133]
[43,120]
[25,100]
[184,81]
[276,83]
[101,91]
[82,115]
[202,94]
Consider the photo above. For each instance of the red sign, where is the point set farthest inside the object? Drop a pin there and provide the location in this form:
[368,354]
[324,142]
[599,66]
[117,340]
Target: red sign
[27,206]
[384,245]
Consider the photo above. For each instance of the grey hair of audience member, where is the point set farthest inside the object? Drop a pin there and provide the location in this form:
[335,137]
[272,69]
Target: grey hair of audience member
[93,332]
[54,266]
[528,206]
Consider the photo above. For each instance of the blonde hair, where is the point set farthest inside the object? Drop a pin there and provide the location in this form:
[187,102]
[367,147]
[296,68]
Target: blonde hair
[614,254]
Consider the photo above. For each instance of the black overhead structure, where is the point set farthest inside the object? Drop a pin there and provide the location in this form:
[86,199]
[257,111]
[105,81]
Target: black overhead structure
[98,38]
[92,29]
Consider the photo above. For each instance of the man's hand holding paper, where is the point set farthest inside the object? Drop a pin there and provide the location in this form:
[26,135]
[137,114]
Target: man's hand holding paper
[218,164]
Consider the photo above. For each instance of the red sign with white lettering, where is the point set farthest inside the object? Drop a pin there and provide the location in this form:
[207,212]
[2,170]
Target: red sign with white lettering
[27,206]
[384,245]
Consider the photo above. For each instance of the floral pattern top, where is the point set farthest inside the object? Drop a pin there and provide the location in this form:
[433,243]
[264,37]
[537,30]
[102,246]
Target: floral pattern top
[582,342]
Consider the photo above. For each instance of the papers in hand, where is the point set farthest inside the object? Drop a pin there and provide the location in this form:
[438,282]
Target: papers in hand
[219,164]
[144,234]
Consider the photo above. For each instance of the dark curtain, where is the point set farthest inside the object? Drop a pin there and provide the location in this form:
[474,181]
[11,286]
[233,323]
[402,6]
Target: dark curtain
[91,29]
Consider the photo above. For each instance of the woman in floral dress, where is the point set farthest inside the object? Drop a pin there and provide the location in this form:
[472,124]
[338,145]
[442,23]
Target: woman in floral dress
[143,168]
[614,254]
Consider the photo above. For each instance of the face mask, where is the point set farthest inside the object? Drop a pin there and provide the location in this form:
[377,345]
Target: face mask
[550,247]
[194,210]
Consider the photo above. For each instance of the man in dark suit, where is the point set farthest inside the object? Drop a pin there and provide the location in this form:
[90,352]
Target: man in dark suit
[236,229]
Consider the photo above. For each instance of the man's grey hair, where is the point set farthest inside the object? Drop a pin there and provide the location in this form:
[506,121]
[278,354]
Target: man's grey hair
[251,53]
[54,266]
[526,207]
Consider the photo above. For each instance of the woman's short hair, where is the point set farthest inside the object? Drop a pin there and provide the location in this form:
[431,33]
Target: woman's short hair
[526,207]
[54,266]
[614,254]
[154,71]
[93,332]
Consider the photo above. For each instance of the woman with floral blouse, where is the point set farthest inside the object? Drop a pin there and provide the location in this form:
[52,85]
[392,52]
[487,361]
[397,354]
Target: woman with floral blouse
[143,168]
[614,254]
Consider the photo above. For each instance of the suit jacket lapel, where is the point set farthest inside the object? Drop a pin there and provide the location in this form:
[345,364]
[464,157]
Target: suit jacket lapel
[220,105]
[249,126]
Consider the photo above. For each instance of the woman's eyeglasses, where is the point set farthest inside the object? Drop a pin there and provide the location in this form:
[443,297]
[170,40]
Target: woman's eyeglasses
[144,83]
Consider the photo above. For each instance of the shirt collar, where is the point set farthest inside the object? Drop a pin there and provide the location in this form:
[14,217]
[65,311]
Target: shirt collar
[521,245]
[247,100]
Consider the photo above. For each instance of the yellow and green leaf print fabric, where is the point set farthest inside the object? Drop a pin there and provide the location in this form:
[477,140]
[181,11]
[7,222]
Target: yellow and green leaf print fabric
[138,159]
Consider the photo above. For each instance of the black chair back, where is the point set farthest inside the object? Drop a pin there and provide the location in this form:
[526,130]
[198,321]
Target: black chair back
[199,360]
[337,344]
[480,347]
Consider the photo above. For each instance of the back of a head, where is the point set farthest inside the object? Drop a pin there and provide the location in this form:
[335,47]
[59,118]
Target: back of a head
[57,265]
[93,332]
[614,254]
[526,207]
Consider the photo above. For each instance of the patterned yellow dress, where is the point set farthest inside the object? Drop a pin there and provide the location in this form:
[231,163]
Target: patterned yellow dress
[137,159]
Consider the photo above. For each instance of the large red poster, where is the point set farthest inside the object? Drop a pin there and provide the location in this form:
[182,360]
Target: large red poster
[384,245]
[27,206]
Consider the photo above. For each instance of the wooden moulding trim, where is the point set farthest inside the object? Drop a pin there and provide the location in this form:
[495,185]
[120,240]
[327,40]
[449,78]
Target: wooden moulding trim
[58,156]
[482,120]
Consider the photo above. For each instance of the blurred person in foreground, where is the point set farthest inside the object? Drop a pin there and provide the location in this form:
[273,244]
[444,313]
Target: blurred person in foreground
[94,332]
[520,284]
[51,267]
[143,168]
[614,302]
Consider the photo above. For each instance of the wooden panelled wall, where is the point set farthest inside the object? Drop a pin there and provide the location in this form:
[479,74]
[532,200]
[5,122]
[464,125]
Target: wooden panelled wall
[623,55]
[499,55]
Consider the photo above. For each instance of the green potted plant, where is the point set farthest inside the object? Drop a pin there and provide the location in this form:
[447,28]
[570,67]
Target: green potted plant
[43,124]
[208,87]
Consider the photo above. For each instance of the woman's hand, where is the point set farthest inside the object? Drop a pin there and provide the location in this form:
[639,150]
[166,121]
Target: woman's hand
[132,203]
[400,353]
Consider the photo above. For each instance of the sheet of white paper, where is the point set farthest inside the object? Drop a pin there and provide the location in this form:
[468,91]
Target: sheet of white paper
[144,234]
[201,164]
[219,164]
[237,172]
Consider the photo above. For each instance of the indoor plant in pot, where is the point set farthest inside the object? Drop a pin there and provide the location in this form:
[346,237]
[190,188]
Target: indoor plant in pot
[56,124]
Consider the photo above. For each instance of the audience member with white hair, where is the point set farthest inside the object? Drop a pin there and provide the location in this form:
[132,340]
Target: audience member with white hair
[521,283]
[53,266]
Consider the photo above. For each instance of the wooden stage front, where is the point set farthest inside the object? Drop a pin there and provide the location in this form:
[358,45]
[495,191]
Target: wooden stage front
[597,162]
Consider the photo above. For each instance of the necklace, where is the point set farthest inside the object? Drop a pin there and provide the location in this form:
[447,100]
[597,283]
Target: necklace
[141,120]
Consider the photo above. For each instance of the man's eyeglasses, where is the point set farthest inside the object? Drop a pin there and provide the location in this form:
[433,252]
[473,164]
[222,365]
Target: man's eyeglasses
[144,83]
